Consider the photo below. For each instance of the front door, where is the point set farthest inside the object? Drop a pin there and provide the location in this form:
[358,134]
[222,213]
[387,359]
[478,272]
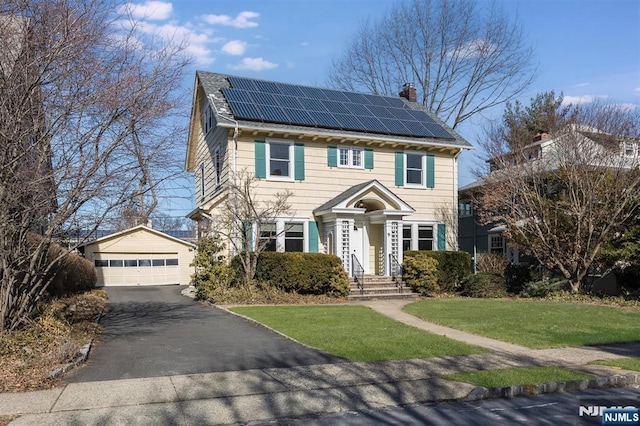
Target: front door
[357,247]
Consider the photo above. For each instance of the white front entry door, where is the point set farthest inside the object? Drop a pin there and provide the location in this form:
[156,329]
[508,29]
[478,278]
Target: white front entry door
[358,248]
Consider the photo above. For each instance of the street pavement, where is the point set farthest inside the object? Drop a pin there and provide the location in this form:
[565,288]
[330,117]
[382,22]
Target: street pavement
[287,385]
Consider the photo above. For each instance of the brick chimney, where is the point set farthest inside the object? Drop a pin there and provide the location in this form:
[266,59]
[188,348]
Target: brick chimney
[409,92]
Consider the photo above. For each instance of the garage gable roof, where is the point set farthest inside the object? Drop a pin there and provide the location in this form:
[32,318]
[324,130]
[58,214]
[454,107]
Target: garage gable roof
[136,229]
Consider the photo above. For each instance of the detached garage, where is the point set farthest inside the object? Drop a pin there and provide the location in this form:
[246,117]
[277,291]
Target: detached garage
[141,256]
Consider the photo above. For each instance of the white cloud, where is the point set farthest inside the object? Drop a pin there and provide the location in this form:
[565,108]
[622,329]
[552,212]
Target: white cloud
[582,84]
[254,64]
[196,43]
[637,90]
[584,99]
[151,9]
[627,106]
[235,47]
[304,44]
[474,49]
[243,20]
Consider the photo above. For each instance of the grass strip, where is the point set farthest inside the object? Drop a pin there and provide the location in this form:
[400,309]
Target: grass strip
[532,323]
[517,376]
[632,364]
[356,333]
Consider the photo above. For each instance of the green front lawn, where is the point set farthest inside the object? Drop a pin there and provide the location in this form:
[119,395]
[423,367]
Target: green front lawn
[355,332]
[623,363]
[517,376]
[532,323]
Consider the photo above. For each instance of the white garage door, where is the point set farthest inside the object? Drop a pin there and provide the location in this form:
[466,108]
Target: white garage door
[137,268]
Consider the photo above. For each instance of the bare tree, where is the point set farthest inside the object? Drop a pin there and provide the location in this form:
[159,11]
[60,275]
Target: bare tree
[86,108]
[563,206]
[462,58]
[245,211]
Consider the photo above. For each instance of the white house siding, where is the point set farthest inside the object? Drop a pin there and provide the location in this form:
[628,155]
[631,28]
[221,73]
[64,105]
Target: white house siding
[151,250]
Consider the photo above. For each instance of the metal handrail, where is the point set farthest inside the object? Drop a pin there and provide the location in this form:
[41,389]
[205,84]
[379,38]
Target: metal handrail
[357,272]
[396,271]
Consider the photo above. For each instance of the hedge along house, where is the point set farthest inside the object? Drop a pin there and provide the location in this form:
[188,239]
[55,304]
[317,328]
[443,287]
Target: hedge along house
[140,256]
[367,173]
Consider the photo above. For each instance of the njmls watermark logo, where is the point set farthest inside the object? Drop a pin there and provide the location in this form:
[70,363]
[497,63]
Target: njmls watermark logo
[608,411]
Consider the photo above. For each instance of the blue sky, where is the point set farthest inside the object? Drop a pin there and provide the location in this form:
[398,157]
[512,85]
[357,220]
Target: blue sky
[586,49]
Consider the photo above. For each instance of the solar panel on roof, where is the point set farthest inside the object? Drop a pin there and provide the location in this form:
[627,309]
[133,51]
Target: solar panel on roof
[299,116]
[273,102]
[325,119]
[245,110]
[287,101]
[290,89]
[358,109]
[312,104]
[336,107]
[242,83]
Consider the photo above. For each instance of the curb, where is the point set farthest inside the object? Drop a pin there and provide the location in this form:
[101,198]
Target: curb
[84,354]
[599,382]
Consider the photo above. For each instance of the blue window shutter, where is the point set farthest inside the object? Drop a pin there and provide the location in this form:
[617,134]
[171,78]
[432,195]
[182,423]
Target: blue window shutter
[399,168]
[332,156]
[298,160]
[368,158]
[442,237]
[261,159]
[313,236]
[431,173]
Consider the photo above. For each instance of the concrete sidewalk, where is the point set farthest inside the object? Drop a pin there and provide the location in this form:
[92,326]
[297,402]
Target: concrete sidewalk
[271,393]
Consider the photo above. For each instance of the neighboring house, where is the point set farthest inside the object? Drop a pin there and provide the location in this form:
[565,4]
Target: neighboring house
[140,256]
[474,237]
[367,173]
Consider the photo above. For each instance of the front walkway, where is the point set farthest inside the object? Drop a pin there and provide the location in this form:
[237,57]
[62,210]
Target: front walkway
[570,355]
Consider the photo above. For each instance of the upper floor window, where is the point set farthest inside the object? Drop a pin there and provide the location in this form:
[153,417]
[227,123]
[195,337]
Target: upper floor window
[630,149]
[350,157]
[207,119]
[464,208]
[414,169]
[202,187]
[218,165]
[280,159]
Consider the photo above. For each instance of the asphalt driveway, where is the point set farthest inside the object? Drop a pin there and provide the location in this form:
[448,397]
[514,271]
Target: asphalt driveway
[155,331]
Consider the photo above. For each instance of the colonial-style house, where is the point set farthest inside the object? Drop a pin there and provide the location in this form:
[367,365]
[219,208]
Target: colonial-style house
[367,173]
[543,153]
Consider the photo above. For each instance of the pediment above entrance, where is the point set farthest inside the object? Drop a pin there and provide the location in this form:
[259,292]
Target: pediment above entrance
[366,197]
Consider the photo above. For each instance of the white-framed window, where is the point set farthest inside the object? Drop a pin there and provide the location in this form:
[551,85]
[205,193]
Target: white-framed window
[286,235]
[202,186]
[425,237]
[464,208]
[418,236]
[496,244]
[350,157]
[294,237]
[280,160]
[217,160]
[268,236]
[406,237]
[414,169]
[629,149]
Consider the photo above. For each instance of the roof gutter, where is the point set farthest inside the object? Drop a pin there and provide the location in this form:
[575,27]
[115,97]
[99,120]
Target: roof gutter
[346,135]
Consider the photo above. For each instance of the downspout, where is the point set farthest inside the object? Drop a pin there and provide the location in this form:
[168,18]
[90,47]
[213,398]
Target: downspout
[455,199]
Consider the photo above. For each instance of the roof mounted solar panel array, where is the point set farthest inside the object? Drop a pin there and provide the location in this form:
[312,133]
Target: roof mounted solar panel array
[271,102]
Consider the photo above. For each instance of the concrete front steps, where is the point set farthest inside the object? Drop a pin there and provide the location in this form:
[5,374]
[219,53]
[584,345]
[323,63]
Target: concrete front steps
[379,287]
